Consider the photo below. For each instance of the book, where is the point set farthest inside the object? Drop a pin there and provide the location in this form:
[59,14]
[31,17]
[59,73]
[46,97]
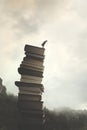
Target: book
[31,120]
[31,89]
[31,67]
[33,61]
[30,80]
[25,71]
[30,105]
[30,77]
[28,92]
[29,97]
[34,56]
[32,113]
[34,49]
[23,84]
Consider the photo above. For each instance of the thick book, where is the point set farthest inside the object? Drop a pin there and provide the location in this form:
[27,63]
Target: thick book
[32,120]
[32,113]
[31,67]
[31,89]
[34,49]
[33,61]
[25,71]
[19,84]
[31,79]
[30,105]
[35,56]
[28,97]
[28,92]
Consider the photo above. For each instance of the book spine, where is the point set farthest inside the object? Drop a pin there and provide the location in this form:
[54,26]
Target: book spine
[33,65]
[34,56]
[30,105]
[19,84]
[33,61]
[30,89]
[29,97]
[30,81]
[31,77]
[30,72]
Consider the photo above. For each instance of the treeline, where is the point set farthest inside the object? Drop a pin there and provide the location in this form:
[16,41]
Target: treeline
[8,112]
[55,120]
[66,120]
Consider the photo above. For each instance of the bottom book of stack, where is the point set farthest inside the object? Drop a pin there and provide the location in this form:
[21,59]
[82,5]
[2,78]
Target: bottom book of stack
[31,120]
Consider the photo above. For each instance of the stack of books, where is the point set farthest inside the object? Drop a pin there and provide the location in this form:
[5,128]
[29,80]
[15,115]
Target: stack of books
[30,86]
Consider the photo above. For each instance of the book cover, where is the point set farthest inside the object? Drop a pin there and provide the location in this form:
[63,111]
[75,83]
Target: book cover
[32,113]
[33,65]
[29,66]
[31,89]
[35,56]
[30,80]
[29,97]
[30,105]
[33,61]
[25,71]
[34,49]
[19,84]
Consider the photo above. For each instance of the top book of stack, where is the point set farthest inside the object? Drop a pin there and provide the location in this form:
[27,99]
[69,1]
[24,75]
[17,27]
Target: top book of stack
[34,50]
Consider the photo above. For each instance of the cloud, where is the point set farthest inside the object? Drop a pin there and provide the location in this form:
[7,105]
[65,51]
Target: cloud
[27,16]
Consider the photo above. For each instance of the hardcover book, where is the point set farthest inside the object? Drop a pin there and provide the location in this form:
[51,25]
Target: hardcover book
[33,65]
[30,72]
[34,49]
[30,105]
[34,56]
[19,84]
[31,89]
[29,66]
[29,97]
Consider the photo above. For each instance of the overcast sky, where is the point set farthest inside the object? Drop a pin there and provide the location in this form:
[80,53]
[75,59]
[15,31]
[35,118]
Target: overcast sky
[64,24]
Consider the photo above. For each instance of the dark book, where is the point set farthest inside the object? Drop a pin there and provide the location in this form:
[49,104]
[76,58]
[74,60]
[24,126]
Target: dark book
[34,49]
[32,113]
[34,56]
[19,84]
[29,97]
[25,71]
[32,120]
[30,105]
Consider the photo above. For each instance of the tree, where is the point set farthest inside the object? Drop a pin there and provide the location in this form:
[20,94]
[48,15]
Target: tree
[2,88]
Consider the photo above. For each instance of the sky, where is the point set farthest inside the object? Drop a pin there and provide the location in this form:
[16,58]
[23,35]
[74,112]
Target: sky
[64,24]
